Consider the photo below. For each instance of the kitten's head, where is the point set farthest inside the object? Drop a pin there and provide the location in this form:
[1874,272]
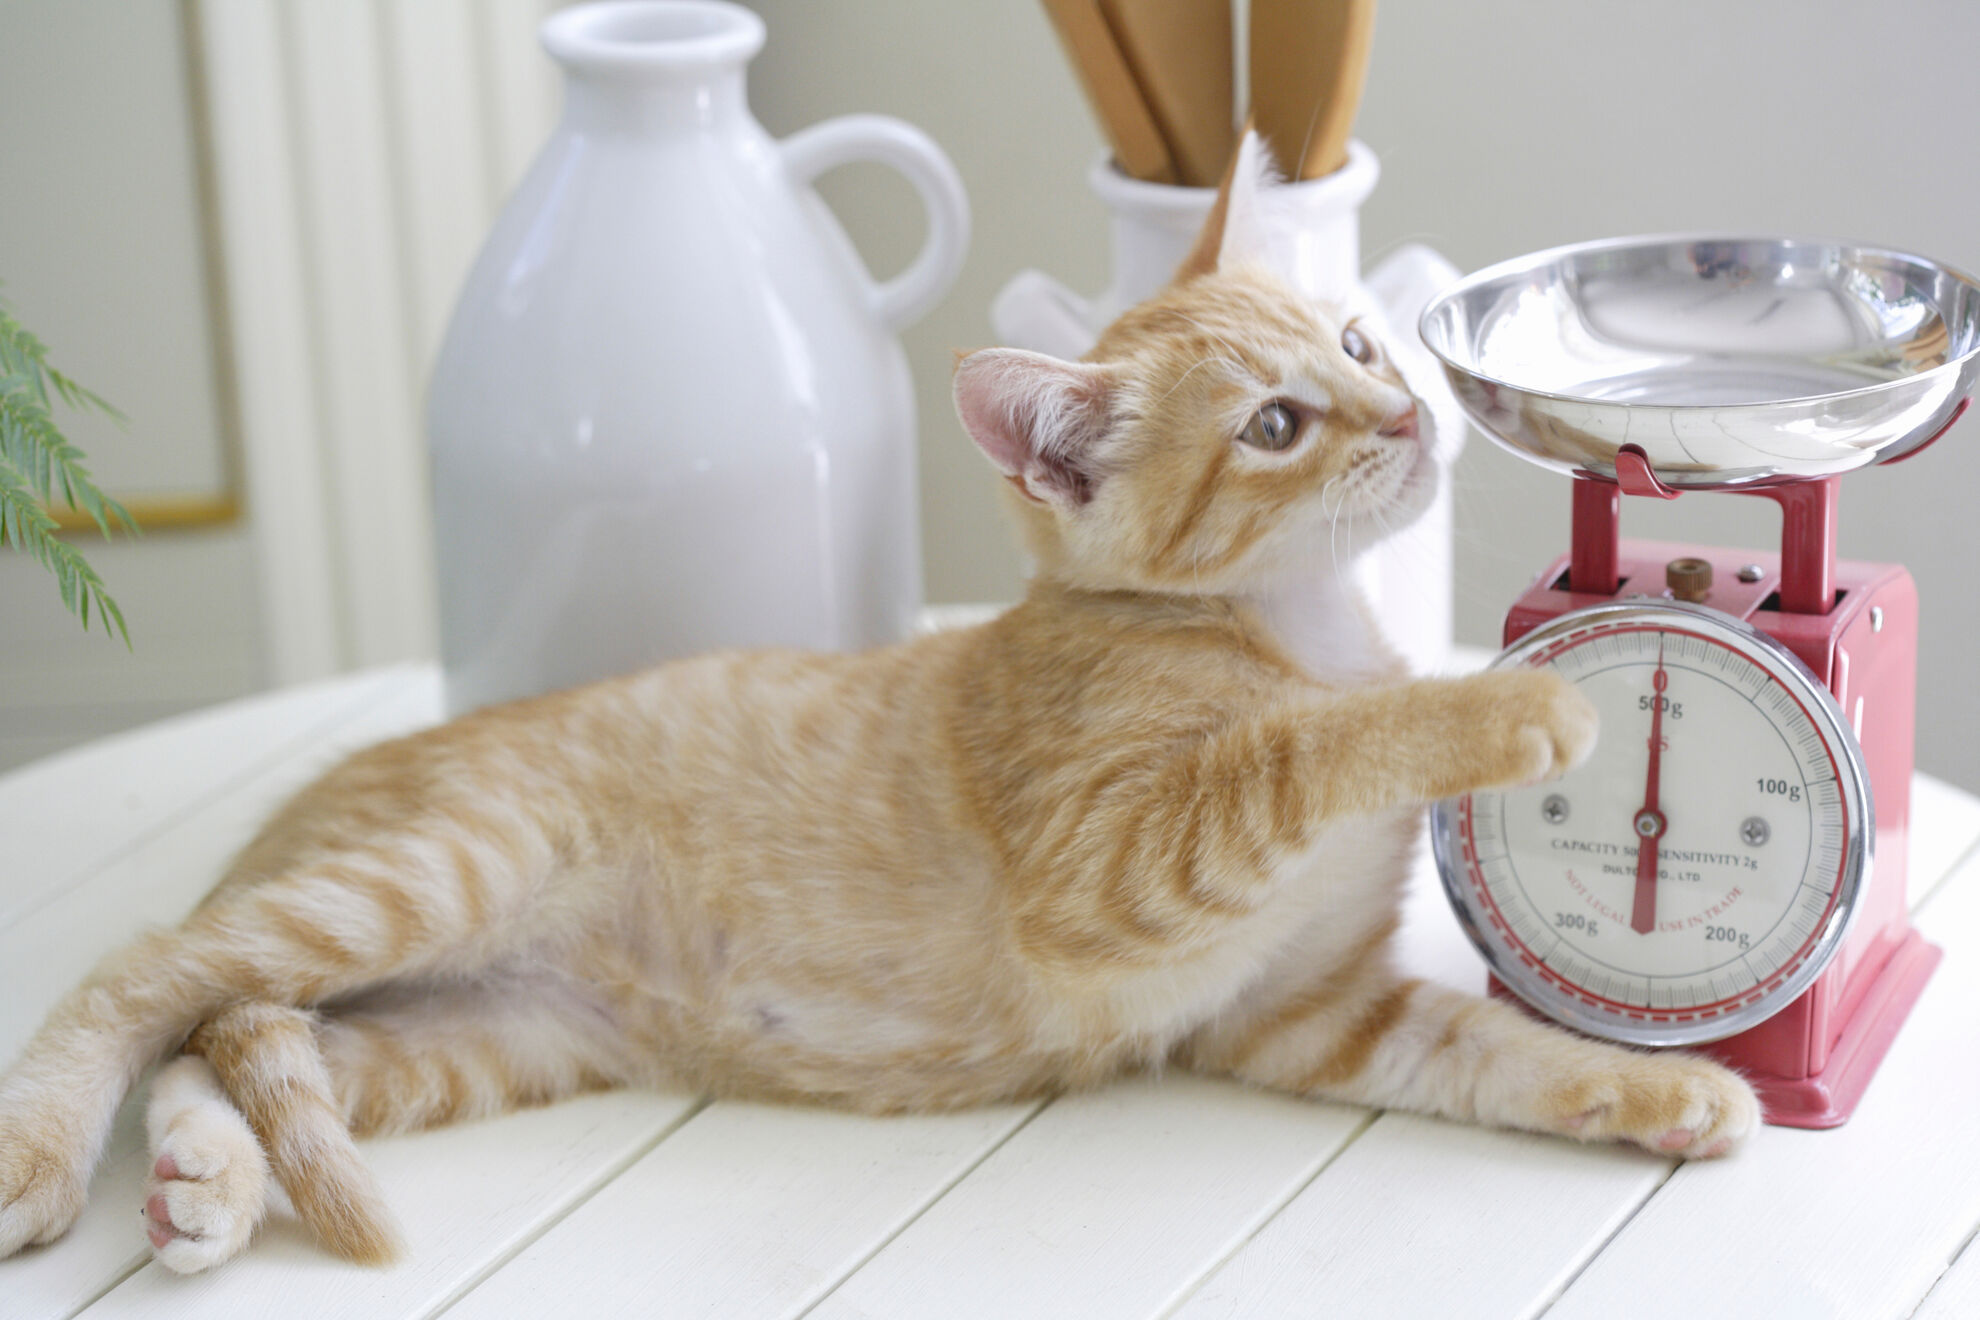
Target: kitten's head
[1220,436]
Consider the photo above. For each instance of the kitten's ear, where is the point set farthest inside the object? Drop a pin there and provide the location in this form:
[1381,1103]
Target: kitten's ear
[1235,230]
[1040,420]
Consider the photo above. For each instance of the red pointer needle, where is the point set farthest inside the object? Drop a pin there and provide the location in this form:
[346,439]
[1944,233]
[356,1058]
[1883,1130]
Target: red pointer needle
[1650,821]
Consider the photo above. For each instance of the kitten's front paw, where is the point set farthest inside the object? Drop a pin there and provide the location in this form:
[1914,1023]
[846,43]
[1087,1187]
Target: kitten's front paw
[1545,726]
[42,1182]
[1673,1104]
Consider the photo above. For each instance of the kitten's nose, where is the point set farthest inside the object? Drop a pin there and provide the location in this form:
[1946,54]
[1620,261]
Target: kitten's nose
[1402,424]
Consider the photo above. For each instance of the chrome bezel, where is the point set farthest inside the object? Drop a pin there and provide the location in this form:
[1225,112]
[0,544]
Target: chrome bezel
[1854,786]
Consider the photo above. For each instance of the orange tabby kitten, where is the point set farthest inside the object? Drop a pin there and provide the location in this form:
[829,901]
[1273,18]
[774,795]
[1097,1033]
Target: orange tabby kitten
[1159,813]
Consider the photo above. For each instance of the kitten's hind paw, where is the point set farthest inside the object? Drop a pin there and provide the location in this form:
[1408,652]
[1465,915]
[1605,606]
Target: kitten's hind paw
[209,1183]
[208,1189]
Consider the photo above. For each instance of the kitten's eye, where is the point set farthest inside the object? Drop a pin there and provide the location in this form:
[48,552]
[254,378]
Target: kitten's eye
[1272,427]
[1356,345]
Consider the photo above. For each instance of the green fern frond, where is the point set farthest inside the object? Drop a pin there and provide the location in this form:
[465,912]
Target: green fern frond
[25,524]
[29,438]
[77,397]
[37,461]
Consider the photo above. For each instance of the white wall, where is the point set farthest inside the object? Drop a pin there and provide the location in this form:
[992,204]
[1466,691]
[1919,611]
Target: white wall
[103,257]
[1502,128]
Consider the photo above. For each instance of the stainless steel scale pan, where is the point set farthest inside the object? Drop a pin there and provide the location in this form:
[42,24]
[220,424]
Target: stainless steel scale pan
[1730,361]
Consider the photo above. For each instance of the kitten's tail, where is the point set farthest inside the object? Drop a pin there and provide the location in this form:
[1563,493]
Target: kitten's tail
[268,1060]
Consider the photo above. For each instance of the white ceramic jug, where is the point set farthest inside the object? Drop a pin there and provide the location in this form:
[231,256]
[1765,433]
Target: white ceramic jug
[1408,576]
[670,413]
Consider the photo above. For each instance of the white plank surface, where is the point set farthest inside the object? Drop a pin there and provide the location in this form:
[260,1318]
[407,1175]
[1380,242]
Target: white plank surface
[1426,1218]
[749,1210]
[1112,1203]
[1956,1296]
[468,1197]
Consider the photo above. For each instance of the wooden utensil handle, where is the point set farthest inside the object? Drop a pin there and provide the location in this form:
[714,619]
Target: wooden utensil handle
[1109,84]
[1309,62]
[1180,53]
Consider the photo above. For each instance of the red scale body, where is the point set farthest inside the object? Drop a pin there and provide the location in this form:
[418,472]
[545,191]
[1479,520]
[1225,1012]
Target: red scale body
[1855,625]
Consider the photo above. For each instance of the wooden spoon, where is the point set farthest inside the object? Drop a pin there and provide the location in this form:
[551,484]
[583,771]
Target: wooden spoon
[1180,53]
[1309,61]
[1103,70]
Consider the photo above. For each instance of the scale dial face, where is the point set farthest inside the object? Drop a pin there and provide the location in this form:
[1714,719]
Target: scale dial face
[1698,871]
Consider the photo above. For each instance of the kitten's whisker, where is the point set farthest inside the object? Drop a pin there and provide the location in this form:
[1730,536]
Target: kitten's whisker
[1333,530]
[1312,125]
[1341,582]
[1226,363]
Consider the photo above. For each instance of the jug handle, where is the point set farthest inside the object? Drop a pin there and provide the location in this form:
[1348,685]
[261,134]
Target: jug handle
[912,294]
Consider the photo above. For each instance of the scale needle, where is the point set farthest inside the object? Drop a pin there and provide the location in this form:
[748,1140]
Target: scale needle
[1650,820]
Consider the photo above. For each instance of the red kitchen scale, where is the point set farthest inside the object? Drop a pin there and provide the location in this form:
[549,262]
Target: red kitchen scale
[1726,871]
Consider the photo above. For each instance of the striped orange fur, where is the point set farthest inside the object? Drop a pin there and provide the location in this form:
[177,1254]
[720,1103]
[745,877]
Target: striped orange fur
[266,1058]
[1157,813]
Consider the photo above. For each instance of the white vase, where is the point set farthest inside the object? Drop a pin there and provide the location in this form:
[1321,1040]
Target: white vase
[1408,576]
[670,413]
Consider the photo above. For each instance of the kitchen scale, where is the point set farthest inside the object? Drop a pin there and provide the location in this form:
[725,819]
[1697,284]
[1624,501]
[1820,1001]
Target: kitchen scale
[1727,869]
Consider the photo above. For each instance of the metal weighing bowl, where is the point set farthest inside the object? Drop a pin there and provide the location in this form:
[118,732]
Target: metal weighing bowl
[1730,361]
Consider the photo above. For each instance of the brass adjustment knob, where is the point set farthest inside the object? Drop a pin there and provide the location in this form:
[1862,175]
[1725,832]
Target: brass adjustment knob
[1689,579]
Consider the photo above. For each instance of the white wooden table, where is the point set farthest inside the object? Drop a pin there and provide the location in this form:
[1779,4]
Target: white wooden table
[1175,1197]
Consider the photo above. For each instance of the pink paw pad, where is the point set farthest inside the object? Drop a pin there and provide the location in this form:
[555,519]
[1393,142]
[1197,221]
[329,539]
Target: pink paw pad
[1676,1139]
[166,1169]
[160,1230]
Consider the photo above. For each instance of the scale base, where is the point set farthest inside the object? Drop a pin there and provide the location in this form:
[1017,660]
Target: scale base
[1827,1098]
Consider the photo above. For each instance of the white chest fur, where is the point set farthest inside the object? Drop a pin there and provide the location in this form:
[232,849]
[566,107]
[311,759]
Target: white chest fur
[1322,620]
